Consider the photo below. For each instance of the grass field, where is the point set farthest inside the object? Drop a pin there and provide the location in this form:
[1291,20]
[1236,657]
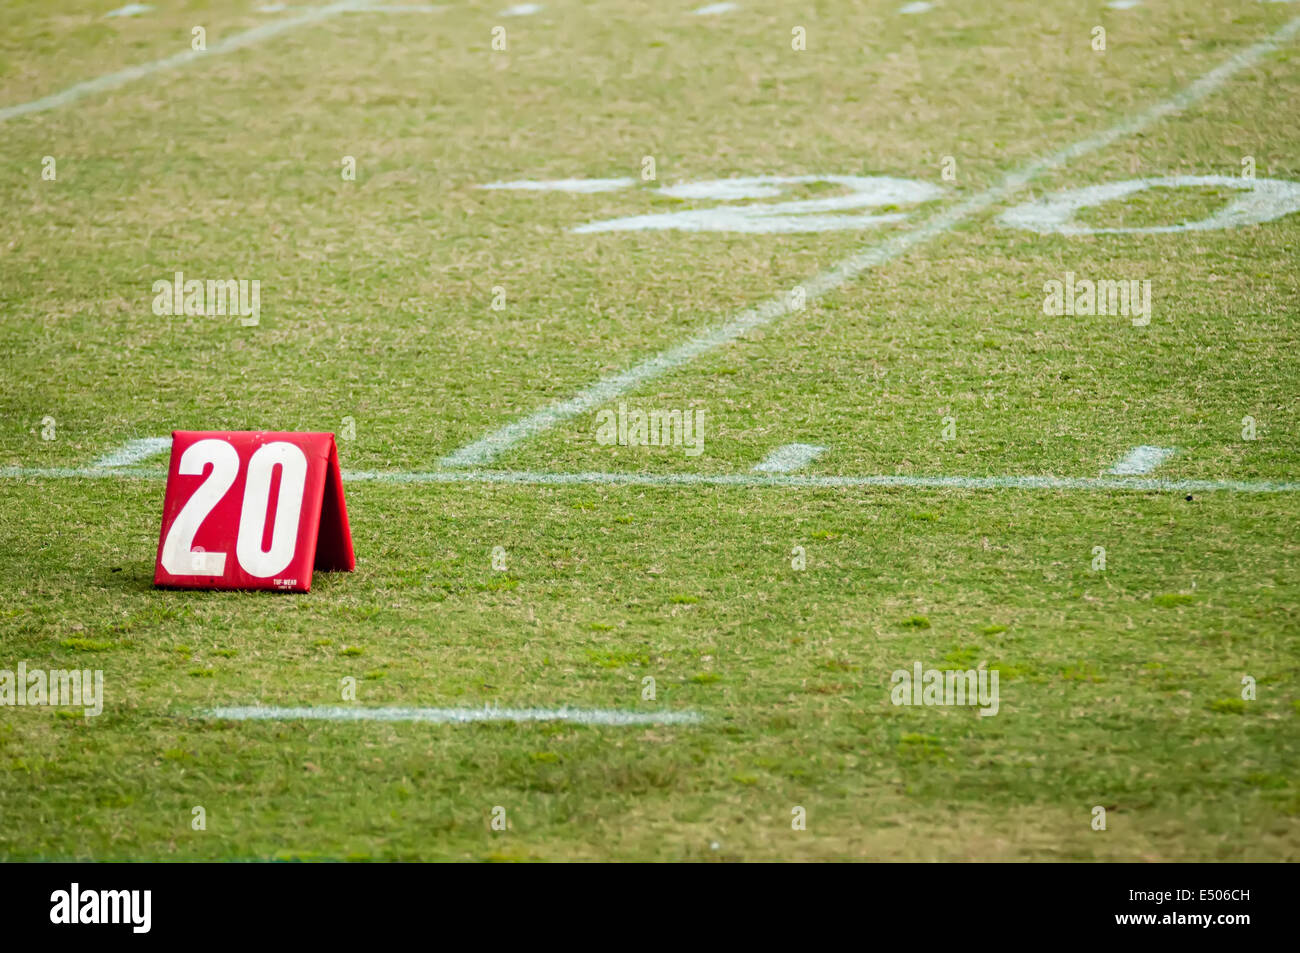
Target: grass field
[467,344]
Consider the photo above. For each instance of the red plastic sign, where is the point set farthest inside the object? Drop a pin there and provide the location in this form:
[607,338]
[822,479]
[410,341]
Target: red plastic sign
[252,510]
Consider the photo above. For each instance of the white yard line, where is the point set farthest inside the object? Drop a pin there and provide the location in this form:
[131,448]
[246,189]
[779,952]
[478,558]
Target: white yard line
[238,41]
[459,716]
[791,457]
[1141,460]
[787,480]
[134,451]
[602,391]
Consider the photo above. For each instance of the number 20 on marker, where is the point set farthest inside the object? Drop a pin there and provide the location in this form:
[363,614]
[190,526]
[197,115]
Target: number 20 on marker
[252,510]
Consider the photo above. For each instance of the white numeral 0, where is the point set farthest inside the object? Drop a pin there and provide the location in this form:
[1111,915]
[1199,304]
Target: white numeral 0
[288,508]
[178,555]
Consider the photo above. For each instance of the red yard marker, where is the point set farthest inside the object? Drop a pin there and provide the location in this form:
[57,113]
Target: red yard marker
[252,510]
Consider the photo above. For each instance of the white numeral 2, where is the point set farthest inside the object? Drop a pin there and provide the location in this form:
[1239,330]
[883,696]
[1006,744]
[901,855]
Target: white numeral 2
[806,215]
[178,555]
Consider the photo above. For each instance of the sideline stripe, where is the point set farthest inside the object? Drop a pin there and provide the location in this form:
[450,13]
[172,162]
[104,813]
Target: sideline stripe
[825,482]
[606,389]
[1140,460]
[727,479]
[459,716]
[133,451]
[239,40]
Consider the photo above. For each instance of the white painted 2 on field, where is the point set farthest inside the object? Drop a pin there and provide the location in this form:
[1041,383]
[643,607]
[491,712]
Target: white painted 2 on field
[804,215]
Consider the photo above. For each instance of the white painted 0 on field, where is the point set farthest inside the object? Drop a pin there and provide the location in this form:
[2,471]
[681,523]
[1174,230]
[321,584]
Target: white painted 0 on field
[1260,201]
[603,391]
[791,457]
[133,452]
[1141,460]
[459,716]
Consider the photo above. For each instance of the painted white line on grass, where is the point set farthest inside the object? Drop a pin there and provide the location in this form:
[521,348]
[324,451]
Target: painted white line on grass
[1124,4]
[919,7]
[714,8]
[492,445]
[459,716]
[130,10]
[562,185]
[78,473]
[791,457]
[1141,460]
[826,482]
[522,10]
[134,451]
[369,8]
[238,41]
[719,479]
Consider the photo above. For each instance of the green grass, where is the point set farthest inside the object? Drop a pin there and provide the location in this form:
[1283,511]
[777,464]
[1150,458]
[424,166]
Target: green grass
[1121,688]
